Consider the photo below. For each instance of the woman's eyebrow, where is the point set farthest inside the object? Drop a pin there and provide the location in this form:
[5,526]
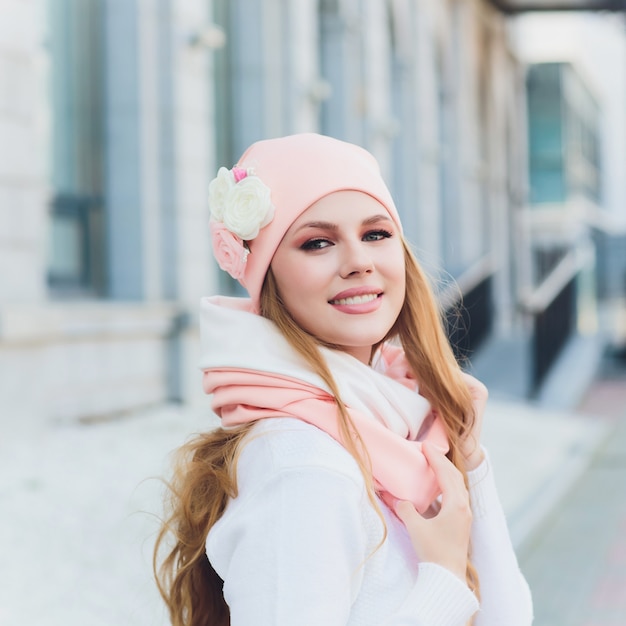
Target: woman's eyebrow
[322,225]
[334,227]
[376,218]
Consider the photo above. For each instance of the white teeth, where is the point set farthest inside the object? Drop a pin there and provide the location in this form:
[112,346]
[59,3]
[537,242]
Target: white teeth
[356,299]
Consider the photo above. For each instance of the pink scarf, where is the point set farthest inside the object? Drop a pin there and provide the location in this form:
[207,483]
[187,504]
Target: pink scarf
[254,374]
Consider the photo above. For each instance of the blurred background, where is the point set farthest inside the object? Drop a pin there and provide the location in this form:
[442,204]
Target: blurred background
[500,127]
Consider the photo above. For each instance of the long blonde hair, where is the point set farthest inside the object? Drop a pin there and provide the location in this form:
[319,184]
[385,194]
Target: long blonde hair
[204,478]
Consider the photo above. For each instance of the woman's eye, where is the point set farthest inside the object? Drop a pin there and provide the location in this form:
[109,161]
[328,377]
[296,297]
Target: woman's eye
[376,235]
[315,244]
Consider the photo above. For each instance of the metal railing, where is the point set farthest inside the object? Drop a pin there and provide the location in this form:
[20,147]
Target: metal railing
[552,327]
[468,309]
[552,307]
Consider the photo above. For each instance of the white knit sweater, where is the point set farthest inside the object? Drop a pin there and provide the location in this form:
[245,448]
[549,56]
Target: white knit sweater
[300,545]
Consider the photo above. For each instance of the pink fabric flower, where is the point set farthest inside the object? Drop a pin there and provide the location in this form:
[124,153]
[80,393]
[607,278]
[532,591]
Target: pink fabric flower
[229,251]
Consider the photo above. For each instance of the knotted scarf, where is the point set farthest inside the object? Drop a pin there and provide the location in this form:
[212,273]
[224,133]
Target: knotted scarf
[253,373]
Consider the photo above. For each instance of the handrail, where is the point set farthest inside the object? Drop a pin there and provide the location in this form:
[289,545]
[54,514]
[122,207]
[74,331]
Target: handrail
[468,280]
[512,7]
[541,298]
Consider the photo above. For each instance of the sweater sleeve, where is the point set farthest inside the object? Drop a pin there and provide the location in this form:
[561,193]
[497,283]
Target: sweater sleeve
[505,595]
[439,598]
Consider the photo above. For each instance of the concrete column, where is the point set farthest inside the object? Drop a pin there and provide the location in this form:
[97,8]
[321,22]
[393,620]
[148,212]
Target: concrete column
[403,126]
[248,73]
[153,131]
[428,49]
[377,52]
[192,160]
[189,157]
[24,148]
[308,88]
[124,197]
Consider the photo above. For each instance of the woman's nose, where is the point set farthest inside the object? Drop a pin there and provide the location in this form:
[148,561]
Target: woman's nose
[356,260]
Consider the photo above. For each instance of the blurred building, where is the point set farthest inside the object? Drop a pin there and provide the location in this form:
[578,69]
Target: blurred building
[577,119]
[106,148]
[433,89]
[115,114]
[564,193]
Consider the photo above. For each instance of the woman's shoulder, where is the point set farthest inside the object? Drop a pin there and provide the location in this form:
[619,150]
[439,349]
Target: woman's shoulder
[284,444]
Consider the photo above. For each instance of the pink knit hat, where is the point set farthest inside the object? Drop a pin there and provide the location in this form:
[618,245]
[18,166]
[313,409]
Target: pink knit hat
[274,182]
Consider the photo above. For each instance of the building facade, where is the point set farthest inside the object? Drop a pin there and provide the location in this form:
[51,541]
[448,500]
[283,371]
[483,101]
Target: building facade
[565,181]
[580,59]
[115,114]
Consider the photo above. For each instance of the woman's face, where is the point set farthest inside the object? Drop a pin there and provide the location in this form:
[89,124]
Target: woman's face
[340,271]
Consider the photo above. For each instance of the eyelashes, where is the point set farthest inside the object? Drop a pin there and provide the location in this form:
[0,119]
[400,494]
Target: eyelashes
[315,244]
[377,235]
[319,243]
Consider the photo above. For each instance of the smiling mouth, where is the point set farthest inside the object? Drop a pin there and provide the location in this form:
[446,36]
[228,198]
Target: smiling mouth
[356,299]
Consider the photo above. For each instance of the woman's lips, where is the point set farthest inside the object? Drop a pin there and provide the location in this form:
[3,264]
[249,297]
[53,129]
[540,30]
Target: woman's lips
[368,291]
[365,303]
[356,299]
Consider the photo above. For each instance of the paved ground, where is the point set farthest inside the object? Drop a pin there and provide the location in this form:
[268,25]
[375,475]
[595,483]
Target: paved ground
[78,507]
[576,564]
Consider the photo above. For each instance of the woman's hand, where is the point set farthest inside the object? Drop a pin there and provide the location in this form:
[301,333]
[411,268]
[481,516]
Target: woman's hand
[444,538]
[470,444]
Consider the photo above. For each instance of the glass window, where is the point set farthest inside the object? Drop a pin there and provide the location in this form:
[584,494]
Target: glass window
[223,87]
[546,140]
[331,60]
[224,68]
[75,263]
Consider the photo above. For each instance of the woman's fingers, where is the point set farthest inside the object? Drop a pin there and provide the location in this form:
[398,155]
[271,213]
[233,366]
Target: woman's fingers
[405,511]
[443,538]
[448,477]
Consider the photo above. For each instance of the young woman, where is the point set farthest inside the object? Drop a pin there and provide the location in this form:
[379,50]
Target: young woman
[347,485]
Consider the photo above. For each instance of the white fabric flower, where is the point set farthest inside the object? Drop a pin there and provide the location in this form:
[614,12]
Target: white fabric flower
[219,189]
[248,208]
